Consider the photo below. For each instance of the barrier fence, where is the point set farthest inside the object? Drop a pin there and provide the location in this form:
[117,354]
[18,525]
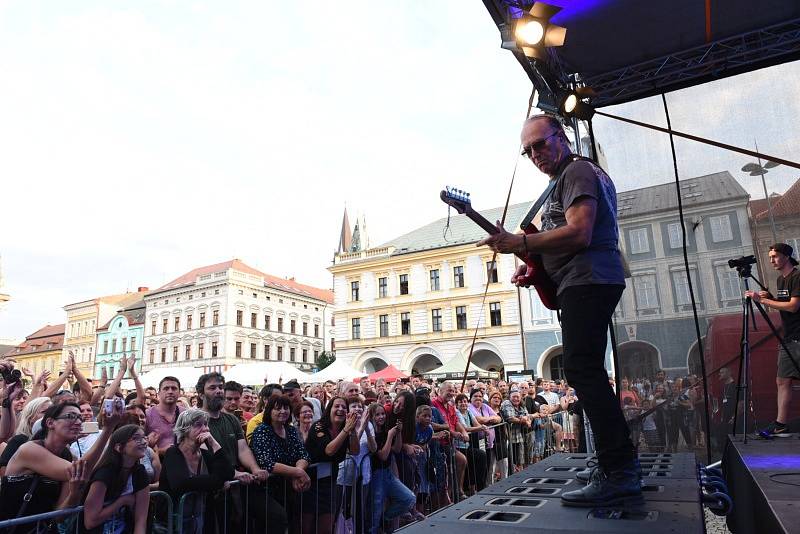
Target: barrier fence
[359,499]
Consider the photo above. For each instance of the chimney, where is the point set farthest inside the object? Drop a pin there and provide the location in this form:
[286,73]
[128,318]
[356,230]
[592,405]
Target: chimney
[142,289]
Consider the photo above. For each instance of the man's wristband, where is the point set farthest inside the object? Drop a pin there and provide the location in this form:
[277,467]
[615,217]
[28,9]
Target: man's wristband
[525,242]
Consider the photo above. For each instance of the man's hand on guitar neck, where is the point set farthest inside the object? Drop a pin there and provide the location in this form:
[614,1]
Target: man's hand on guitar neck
[504,241]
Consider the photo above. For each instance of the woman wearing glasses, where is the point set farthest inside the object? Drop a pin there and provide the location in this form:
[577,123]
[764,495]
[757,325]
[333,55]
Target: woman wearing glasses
[196,463]
[119,490]
[43,475]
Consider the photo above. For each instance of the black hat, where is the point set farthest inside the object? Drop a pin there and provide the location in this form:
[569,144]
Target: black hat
[786,250]
[291,384]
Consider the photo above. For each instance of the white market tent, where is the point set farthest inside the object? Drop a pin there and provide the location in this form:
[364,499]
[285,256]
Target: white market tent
[336,371]
[187,375]
[260,373]
[454,369]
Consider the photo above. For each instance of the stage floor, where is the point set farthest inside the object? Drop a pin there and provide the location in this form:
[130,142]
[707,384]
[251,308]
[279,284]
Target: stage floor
[764,481]
[530,501]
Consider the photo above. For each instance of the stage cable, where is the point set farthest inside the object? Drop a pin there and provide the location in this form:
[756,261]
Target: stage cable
[494,256]
[689,278]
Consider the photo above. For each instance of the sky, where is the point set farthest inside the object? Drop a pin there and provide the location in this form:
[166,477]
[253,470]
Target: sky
[142,140]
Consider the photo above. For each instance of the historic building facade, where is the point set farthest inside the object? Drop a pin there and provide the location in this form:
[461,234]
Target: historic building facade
[40,351]
[122,336]
[786,215]
[229,313]
[654,320]
[415,301]
[83,318]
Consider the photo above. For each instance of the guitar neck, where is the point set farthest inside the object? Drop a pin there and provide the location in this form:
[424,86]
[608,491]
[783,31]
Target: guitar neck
[481,221]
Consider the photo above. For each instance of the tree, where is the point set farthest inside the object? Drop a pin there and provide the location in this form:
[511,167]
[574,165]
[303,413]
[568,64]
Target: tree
[325,359]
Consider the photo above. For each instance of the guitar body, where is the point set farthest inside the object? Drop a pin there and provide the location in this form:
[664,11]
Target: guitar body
[537,277]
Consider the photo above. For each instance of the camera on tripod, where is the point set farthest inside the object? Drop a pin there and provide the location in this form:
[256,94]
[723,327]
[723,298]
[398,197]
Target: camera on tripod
[742,263]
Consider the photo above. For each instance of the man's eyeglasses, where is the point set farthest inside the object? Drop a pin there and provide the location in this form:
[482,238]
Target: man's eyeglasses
[70,417]
[536,146]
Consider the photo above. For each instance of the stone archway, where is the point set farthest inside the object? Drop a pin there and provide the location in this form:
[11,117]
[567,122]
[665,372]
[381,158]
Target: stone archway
[373,365]
[551,363]
[693,358]
[425,363]
[638,359]
[488,360]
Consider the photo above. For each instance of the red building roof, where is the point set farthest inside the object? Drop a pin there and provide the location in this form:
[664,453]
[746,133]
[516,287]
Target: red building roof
[274,282]
[47,338]
[785,205]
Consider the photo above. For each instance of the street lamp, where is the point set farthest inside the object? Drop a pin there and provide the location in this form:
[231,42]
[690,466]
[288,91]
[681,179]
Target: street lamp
[757,169]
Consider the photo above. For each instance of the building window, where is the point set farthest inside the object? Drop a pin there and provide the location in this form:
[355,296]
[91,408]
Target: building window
[253,351]
[124,344]
[238,349]
[152,355]
[163,355]
[202,319]
[383,321]
[113,346]
[404,284]
[491,271]
[239,317]
[188,322]
[382,287]
[177,323]
[215,318]
[434,275]
[436,319]
[292,352]
[105,347]
[461,317]
[175,353]
[728,283]
[539,312]
[305,355]
[280,324]
[316,330]
[200,350]
[495,318]
[675,235]
[720,228]
[280,354]
[356,328]
[354,291]
[644,286]
[305,328]
[187,352]
[164,326]
[639,242]
[214,352]
[458,276]
[292,326]
[316,356]
[266,352]
[405,323]
[266,322]
[253,320]
[152,328]
[681,283]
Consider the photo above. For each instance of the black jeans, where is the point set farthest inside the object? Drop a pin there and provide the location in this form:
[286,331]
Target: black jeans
[585,313]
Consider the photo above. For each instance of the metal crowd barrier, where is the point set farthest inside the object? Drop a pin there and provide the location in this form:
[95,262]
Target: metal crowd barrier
[58,516]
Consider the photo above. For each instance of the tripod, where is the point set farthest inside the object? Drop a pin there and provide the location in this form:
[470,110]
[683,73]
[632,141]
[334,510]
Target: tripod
[745,272]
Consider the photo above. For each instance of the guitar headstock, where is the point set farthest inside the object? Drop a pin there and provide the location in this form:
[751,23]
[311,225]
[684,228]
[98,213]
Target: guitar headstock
[456,198]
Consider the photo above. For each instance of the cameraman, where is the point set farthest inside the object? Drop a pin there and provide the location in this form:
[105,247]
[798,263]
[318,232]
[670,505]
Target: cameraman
[788,304]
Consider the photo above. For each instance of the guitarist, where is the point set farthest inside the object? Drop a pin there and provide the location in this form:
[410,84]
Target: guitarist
[578,246]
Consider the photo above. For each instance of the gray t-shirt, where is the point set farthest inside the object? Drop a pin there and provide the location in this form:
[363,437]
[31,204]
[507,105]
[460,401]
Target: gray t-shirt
[600,262]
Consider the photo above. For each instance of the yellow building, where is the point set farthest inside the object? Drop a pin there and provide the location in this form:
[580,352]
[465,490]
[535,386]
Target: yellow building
[40,350]
[83,319]
[415,301]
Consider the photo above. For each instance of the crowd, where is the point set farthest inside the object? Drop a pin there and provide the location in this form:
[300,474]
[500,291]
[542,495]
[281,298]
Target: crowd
[361,457]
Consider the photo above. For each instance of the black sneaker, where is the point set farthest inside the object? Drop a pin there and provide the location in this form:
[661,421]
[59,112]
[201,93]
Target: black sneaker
[773,429]
[592,468]
[609,488]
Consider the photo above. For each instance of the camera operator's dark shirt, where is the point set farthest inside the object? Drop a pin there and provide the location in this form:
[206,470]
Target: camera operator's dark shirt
[789,287]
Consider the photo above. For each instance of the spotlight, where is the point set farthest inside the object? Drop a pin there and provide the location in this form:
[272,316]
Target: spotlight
[573,104]
[533,31]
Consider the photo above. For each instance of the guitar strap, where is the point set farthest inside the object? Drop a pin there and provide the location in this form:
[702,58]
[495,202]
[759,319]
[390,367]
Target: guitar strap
[548,191]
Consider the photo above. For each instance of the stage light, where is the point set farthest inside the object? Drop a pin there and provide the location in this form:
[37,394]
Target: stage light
[533,31]
[530,32]
[573,104]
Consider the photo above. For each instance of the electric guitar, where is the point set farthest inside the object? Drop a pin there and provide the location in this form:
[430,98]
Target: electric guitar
[536,275]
